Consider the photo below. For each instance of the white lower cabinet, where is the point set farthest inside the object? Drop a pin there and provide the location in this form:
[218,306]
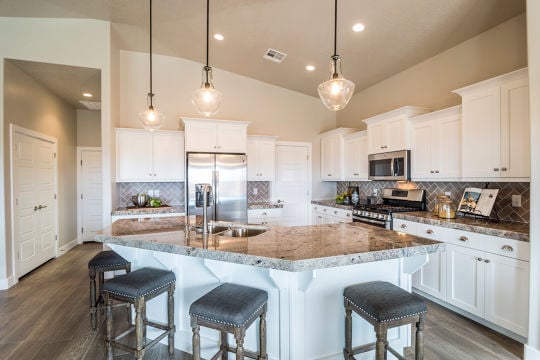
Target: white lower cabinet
[486,276]
[269,217]
[321,215]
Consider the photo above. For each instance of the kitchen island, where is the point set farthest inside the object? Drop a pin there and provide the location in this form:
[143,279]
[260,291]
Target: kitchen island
[304,270]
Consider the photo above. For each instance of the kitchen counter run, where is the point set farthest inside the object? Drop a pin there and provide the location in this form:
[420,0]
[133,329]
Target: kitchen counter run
[505,229]
[282,248]
[173,209]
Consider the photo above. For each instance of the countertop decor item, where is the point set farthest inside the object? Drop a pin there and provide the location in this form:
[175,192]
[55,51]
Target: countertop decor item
[207,99]
[151,118]
[336,92]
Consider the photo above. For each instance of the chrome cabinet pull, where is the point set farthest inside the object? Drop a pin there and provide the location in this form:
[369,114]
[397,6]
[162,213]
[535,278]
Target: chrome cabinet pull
[403,226]
[36,208]
[335,212]
[463,238]
[479,259]
[348,214]
[495,169]
[507,248]
[436,171]
[429,231]
[263,214]
[487,261]
[504,169]
[432,171]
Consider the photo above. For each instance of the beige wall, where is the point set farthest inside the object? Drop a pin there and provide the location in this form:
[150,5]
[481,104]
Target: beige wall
[428,84]
[88,128]
[272,110]
[30,105]
[532,349]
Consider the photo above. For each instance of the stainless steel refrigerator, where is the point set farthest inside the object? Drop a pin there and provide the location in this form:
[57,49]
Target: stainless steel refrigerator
[227,174]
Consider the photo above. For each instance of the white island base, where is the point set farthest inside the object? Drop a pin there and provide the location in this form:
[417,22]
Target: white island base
[305,318]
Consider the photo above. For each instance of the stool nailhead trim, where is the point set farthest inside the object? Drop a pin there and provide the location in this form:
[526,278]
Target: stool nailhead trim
[142,295]
[383,321]
[226,323]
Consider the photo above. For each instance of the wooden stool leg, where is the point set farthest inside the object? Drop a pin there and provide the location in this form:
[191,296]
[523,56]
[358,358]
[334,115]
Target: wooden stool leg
[262,337]
[347,352]
[170,313]
[239,334]
[196,340]
[380,345]
[419,346]
[224,346]
[139,327]
[93,300]
[108,338]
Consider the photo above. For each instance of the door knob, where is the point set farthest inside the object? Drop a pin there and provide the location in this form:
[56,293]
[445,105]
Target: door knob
[280,201]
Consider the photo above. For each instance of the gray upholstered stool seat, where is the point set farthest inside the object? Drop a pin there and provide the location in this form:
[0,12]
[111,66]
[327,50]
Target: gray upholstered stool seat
[230,308]
[137,287]
[383,305]
[104,261]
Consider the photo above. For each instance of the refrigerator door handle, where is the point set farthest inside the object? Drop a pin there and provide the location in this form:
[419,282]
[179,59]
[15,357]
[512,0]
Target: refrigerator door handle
[216,188]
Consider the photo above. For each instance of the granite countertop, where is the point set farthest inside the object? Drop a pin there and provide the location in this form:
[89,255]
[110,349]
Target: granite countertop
[331,203]
[505,229]
[264,205]
[296,248]
[167,209]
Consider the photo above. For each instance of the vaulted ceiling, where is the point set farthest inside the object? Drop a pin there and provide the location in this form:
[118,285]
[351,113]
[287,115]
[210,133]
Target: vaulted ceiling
[398,33]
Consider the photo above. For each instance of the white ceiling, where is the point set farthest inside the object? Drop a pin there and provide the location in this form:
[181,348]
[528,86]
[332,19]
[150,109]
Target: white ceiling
[399,33]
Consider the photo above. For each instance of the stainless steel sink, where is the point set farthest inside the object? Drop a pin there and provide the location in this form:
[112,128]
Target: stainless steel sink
[242,232]
[213,229]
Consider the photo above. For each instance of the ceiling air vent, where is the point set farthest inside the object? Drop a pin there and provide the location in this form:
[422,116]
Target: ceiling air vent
[91,105]
[274,55]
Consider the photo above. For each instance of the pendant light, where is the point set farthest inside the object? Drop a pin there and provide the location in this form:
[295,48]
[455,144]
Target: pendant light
[336,92]
[151,118]
[207,99]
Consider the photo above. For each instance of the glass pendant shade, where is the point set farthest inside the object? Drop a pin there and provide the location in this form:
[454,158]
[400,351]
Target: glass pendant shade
[207,99]
[151,119]
[336,92]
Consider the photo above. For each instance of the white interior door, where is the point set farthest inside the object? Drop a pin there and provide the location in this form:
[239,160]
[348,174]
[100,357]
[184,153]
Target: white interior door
[34,184]
[293,183]
[91,217]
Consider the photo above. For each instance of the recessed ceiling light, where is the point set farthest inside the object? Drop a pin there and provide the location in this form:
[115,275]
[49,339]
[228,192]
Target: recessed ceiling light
[310,68]
[358,27]
[87,95]
[219,37]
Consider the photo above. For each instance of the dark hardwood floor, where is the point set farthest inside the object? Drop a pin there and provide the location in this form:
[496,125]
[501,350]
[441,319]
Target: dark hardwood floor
[45,316]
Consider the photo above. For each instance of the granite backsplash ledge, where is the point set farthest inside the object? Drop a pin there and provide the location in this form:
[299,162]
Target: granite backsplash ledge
[503,204]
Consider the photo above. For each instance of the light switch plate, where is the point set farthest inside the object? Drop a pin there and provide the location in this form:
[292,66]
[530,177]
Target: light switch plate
[156,193]
[151,193]
[255,191]
[516,200]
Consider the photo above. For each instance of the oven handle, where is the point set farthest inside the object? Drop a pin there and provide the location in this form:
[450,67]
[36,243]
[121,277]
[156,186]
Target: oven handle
[378,222]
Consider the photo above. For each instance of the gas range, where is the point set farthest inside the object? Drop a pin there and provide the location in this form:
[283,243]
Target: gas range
[393,201]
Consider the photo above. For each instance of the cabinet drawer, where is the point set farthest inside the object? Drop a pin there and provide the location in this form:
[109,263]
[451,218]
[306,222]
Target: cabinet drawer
[404,226]
[261,213]
[431,232]
[508,247]
[340,213]
[466,238]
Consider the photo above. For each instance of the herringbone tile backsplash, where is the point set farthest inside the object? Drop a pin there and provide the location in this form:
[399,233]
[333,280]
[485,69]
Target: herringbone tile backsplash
[503,204]
[263,191]
[171,193]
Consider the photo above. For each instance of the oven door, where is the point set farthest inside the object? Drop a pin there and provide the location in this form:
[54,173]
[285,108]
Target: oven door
[375,222]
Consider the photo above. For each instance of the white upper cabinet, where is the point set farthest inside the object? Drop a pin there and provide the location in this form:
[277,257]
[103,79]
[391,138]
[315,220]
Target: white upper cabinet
[261,158]
[390,131]
[215,136]
[436,145]
[147,156]
[356,156]
[496,129]
[332,154]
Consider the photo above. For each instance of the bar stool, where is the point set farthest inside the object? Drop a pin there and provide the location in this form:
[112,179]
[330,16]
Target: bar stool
[230,308]
[99,264]
[137,287]
[385,306]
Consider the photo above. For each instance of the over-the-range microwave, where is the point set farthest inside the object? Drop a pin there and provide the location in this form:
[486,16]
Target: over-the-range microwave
[390,166]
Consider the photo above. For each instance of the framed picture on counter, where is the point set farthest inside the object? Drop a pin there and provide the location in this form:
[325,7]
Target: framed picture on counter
[478,201]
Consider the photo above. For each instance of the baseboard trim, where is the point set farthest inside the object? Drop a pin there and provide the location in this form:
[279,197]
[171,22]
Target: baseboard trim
[65,248]
[531,353]
[8,282]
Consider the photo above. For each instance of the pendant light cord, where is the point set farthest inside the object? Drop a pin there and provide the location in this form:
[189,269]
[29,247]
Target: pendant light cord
[207,67]
[151,94]
[335,28]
